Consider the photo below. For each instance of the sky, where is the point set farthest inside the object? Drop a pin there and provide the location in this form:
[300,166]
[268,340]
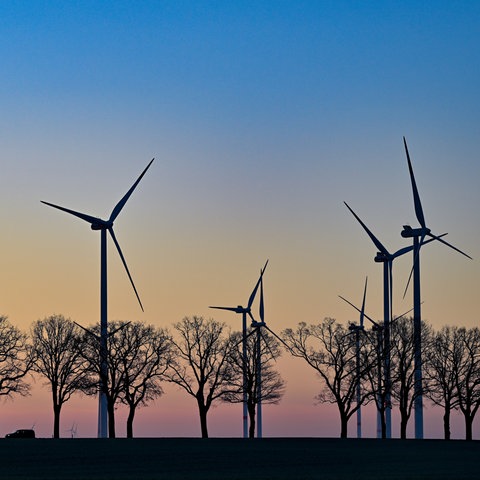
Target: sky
[263,118]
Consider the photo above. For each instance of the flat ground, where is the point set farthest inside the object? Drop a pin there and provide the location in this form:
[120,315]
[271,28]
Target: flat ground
[276,458]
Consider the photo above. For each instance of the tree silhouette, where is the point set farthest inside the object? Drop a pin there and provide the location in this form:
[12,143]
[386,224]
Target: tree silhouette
[145,354]
[373,353]
[113,384]
[272,384]
[200,365]
[441,372]
[15,359]
[56,345]
[330,350]
[403,366]
[467,363]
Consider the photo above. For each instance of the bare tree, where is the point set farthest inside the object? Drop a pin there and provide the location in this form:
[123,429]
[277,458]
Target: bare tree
[200,365]
[403,367]
[467,361]
[145,354]
[272,386]
[374,354]
[330,350]
[440,372]
[56,345]
[15,359]
[114,383]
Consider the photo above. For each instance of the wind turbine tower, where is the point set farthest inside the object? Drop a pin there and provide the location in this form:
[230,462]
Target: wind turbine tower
[104,226]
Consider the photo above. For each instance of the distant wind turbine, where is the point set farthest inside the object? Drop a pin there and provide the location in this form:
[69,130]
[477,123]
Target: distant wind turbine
[73,430]
[418,235]
[379,330]
[104,226]
[357,329]
[244,311]
[257,327]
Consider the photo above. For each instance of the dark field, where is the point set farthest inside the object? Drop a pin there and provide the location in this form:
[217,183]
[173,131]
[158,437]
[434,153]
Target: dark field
[292,458]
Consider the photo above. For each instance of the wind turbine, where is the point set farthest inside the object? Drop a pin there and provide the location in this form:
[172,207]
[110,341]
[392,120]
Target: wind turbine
[257,327]
[357,329]
[244,311]
[387,258]
[104,226]
[381,399]
[73,430]
[418,235]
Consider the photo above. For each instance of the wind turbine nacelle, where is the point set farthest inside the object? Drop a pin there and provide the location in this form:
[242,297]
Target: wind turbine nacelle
[100,225]
[380,258]
[257,324]
[409,232]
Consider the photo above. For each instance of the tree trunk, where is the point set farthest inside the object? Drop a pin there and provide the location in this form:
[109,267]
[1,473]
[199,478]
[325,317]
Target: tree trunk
[468,427]
[344,425]
[403,427]
[251,414]
[56,420]
[111,419]
[446,423]
[202,410]
[383,423]
[131,416]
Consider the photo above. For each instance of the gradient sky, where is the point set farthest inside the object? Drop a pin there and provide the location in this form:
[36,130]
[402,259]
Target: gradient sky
[263,117]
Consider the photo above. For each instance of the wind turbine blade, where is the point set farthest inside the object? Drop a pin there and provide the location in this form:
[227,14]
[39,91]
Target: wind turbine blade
[404,250]
[123,201]
[415,260]
[249,334]
[403,314]
[374,239]
[358,310]
[231,309]
[416,196]
[265,339]
[125,265]
[87,330]
[110,334]
[254,292]
[390,285]
[362,313]
[408,281]
[83,216]
[434,237]
[277,337]
[262,310]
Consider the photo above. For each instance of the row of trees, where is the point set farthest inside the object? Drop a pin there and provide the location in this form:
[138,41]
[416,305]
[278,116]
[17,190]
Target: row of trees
[204,359]
[451,368]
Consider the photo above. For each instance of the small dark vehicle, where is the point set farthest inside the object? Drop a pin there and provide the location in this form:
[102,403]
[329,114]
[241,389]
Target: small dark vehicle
[21,434]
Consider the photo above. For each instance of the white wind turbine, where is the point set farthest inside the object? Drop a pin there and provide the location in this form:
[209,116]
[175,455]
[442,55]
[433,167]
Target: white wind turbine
[104,226]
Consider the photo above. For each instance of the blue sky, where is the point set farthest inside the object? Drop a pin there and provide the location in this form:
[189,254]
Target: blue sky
[263,118]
